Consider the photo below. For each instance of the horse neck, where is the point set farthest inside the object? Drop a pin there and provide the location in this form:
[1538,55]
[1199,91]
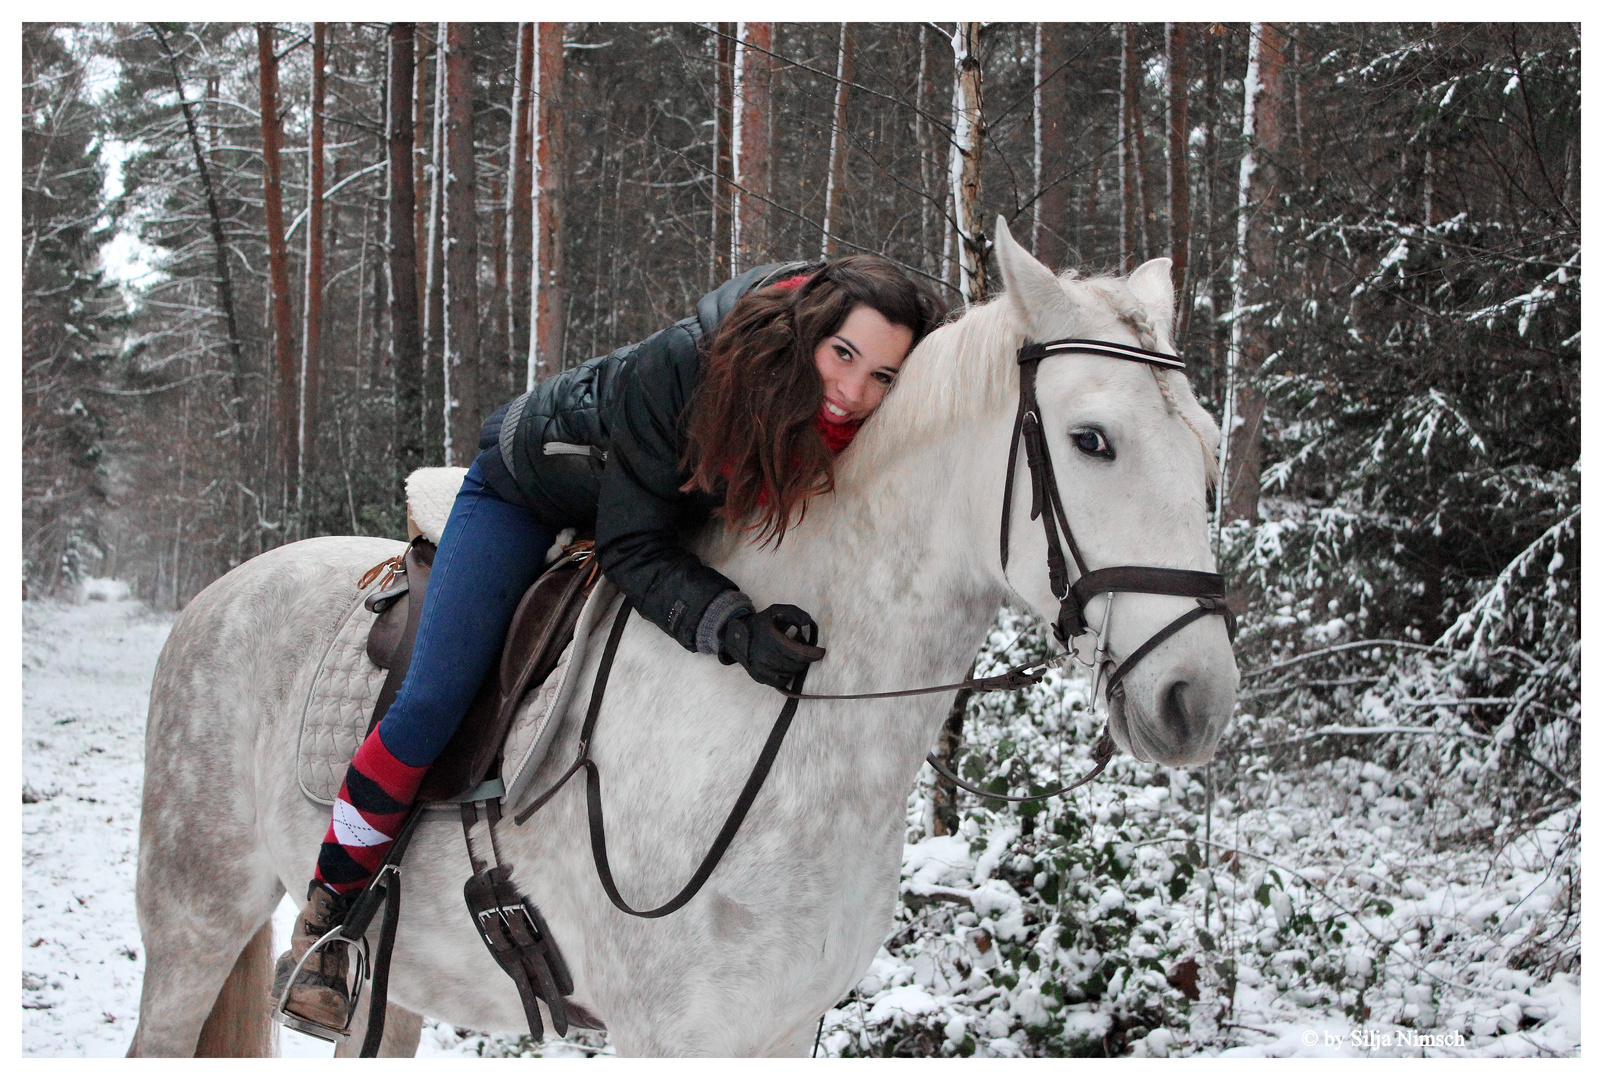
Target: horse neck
[893,565]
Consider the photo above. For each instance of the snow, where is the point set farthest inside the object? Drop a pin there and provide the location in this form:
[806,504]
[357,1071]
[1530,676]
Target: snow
[1327,922]
[86,671]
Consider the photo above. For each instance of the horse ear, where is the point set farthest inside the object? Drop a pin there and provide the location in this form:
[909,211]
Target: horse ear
[1154,288]
[1031,288]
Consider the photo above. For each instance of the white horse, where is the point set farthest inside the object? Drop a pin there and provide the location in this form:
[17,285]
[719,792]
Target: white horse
[901,568]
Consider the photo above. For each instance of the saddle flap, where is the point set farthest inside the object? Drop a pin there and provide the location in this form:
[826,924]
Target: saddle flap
[541,629]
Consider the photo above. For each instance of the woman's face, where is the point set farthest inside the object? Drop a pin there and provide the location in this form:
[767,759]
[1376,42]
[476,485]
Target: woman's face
[859,363]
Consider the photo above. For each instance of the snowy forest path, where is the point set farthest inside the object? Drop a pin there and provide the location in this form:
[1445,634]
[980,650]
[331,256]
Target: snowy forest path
[86,674]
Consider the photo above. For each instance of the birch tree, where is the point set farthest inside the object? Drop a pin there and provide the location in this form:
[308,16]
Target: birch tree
[1179,176]
[1262,94]
[754,144]
[835,181]
[311,374]
[968,138]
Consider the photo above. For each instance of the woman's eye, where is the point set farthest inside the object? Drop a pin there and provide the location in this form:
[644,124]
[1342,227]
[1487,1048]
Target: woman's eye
[884,378]
[1093,442]
[844,353]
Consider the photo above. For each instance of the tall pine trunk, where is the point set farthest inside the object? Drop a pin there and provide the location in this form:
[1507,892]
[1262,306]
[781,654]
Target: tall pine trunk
[723,141]
[1051,142]
[284,396]
[754,141]
[461,337]
[931,206]
[1179,177]
[311,388]
[1129,171]
[834,184]
[421,128]
[520,189]
[1263,95]
[548,300]
[968,124]
[434,274]
[406,348]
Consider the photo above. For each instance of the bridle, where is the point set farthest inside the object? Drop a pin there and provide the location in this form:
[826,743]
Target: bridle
[1046,503]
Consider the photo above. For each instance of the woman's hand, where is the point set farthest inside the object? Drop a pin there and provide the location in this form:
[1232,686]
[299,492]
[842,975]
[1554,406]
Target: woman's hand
[772,644]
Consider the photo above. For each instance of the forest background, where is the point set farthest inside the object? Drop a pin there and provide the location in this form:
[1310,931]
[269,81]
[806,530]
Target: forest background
[269,269]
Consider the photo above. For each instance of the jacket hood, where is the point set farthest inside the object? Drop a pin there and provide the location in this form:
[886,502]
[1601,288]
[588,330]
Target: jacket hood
[716,304]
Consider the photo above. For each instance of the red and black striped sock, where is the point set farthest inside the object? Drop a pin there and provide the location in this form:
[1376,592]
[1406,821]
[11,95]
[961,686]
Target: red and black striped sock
[379,789]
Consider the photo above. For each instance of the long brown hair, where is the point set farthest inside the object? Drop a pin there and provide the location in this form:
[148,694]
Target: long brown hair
[751,423]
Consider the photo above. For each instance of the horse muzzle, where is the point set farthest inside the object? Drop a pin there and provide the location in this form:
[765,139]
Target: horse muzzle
[1175,715]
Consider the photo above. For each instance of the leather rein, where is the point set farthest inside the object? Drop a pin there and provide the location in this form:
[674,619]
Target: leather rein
[1047,505]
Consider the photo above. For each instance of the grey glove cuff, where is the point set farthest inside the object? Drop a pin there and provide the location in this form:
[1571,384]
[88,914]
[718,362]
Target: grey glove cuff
[724,606]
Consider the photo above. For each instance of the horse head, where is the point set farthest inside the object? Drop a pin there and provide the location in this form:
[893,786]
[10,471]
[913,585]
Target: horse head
[1132,453]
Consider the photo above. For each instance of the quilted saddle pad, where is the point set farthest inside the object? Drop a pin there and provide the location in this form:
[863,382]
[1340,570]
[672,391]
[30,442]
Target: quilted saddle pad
[347,684]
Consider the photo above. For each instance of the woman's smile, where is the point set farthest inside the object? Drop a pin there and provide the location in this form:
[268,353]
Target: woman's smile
[859,363]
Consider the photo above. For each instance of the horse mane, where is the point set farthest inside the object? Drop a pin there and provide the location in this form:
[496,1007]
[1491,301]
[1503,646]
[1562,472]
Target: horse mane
[965,370]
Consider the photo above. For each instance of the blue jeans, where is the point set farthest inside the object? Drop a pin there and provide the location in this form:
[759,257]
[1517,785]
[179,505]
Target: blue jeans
[490,553]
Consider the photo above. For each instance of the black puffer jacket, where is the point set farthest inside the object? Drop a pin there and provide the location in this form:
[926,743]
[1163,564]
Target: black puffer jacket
[601,444]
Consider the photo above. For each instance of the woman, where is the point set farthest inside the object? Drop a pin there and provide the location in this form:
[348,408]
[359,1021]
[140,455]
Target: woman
[736,411]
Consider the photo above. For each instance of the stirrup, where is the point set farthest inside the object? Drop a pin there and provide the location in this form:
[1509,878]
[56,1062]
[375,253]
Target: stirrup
[296,1022]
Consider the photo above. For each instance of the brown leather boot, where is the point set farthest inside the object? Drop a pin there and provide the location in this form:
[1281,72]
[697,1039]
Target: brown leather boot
[319,996]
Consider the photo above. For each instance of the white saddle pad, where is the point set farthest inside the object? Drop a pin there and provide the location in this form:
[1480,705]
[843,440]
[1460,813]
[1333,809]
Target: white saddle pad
[347,685]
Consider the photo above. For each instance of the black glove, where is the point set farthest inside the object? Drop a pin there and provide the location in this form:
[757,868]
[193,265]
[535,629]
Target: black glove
[772,644]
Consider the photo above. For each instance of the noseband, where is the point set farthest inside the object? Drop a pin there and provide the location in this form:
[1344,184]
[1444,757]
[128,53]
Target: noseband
[1046,503]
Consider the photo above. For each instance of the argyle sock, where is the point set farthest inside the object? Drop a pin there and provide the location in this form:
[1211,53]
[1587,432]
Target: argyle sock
[378,790]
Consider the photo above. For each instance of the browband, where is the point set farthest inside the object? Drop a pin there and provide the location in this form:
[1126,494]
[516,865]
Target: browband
[1041,350]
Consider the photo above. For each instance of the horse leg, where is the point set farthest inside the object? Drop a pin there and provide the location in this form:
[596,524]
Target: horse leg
[229,1030]
[403,1029]
[207,977]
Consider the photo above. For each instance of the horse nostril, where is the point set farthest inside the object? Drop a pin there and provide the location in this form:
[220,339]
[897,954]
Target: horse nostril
[1174,710]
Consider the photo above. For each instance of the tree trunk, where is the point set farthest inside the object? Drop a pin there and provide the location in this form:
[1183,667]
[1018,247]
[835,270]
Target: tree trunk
[1129,213]
[520,190]
[844,65]
[1179,178]
[493,366]
[406,351]
[225,285]
[968,124]
[1261,122]
[943,794]
[1051,145]
[420,169]
[931,205]
[723,160]
[754,139]
[461,338]
[284,411]
[549,298]
[1146,184]
[434,275]
[311,387]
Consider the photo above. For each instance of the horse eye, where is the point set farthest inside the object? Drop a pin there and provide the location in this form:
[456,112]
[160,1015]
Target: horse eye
[1093,442]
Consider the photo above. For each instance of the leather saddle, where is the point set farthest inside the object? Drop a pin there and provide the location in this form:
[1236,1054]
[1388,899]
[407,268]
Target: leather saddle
[541,629]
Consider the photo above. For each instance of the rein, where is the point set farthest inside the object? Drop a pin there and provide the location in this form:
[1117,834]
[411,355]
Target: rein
[1047,505]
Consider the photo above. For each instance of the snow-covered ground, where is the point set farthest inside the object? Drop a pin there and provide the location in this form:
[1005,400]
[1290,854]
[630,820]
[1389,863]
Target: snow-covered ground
[1328,923]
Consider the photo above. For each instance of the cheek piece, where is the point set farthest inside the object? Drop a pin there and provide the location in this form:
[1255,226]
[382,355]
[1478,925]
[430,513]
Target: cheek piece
[1046,504]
